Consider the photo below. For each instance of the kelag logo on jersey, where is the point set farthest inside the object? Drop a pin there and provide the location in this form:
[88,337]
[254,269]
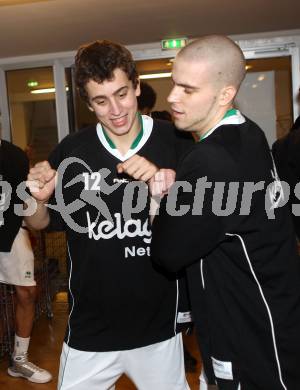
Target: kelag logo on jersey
[118,228]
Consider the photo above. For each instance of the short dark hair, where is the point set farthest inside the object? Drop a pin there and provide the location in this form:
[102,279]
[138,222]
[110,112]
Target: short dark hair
[98,60]
[147,97]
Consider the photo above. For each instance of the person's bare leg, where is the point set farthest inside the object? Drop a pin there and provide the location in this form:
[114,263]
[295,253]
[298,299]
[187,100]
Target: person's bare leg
[25,309]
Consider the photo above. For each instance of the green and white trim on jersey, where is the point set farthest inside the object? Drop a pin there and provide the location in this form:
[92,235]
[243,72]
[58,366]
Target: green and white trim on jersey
[138,143]
[232,117]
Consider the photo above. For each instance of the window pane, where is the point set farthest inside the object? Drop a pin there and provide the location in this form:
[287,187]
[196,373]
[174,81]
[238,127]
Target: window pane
[266,95]
[79,114]
[32,111]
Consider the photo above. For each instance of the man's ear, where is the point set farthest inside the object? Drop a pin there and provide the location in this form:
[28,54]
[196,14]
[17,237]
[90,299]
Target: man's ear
[90,108]
[227,95]
[138,88]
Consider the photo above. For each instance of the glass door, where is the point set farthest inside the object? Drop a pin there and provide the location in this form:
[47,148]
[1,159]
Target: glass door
[266,95]
[79,114]
[31,97]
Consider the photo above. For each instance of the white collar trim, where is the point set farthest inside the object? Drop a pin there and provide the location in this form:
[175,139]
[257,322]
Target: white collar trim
[147,128]
[235,119]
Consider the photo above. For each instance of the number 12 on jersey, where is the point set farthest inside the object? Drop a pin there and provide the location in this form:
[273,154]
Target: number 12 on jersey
[92,181]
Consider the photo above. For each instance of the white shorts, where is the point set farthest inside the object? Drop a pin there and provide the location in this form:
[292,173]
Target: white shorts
[158,366]
[17,266]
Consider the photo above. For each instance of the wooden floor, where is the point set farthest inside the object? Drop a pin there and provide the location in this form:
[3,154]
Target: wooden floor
[45,350]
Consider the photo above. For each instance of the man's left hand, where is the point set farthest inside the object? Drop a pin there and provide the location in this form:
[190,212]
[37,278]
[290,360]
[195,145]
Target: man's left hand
[161,182]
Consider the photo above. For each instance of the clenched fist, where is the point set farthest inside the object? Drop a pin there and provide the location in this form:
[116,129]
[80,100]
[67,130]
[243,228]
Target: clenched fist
[41,181]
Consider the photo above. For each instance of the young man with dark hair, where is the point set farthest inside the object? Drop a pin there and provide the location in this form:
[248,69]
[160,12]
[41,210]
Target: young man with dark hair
[239,245]
[123,309]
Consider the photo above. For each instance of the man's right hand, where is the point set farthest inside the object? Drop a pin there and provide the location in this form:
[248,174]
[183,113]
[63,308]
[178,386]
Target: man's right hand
[41,181]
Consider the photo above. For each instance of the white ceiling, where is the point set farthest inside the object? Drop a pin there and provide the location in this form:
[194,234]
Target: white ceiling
[42,26]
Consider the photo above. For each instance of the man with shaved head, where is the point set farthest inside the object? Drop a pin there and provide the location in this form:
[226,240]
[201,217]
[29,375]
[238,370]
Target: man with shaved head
[207,74]
[226,220]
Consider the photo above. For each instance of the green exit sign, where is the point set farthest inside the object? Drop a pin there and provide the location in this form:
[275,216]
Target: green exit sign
[32,83]
[178,43]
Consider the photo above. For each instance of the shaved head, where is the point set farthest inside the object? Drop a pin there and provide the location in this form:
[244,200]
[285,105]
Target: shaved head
[206,74]
[225,58]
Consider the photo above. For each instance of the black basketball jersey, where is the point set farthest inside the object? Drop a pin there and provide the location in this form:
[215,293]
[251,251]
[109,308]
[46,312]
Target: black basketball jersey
[118,298]
[239,248]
